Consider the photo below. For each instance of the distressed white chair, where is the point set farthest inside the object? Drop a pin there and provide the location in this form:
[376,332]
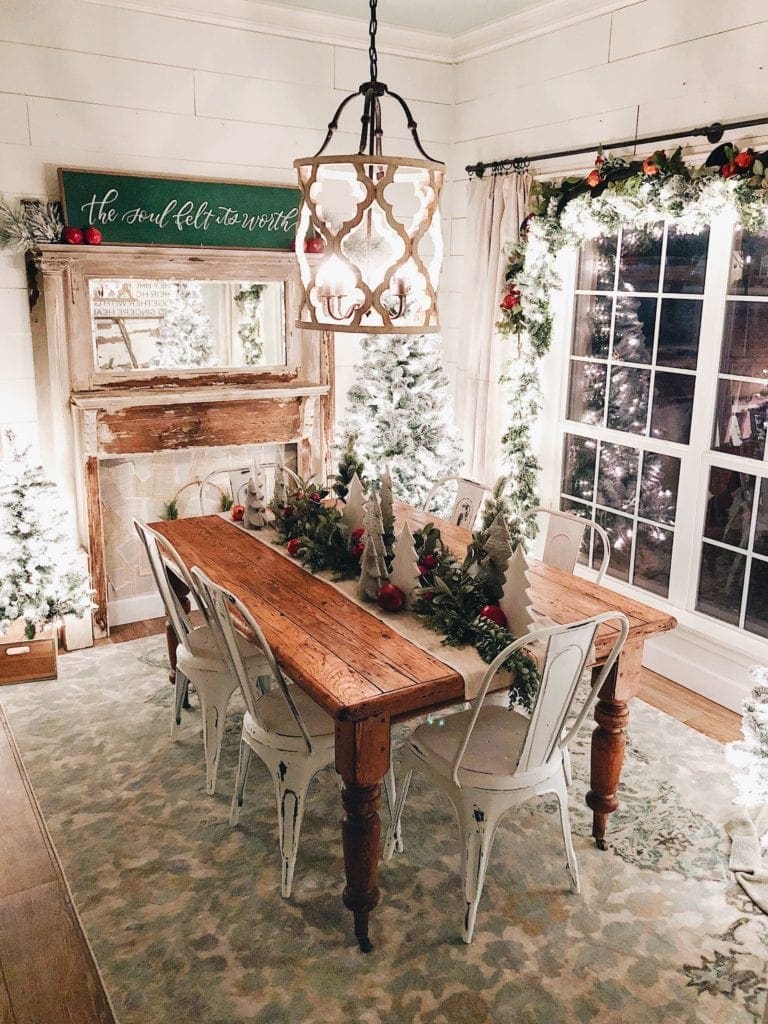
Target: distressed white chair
[564,533]
[198,659]
[490,758]
[469,498]
[282,725]
[238,481]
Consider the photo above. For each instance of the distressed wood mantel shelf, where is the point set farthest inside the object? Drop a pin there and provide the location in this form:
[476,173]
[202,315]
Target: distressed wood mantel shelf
[129,398]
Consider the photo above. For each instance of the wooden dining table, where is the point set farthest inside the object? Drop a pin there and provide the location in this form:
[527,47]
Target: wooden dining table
[367,676]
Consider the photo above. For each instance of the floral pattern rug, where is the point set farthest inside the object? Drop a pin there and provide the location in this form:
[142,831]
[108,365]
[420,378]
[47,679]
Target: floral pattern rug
[186,920]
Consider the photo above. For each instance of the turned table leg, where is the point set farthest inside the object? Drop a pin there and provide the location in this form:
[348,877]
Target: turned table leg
[609,738]
[182,592]
[362,760]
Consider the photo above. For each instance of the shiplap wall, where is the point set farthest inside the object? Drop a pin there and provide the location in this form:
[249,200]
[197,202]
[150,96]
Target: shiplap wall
[98,86]
[651,67]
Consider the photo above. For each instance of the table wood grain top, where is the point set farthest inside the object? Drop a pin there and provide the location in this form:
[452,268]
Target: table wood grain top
[351,662]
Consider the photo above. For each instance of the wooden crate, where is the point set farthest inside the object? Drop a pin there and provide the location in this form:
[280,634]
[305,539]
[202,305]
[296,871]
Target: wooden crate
[24,661]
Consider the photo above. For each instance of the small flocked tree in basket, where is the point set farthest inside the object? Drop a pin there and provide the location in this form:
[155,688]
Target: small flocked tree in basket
[39,581]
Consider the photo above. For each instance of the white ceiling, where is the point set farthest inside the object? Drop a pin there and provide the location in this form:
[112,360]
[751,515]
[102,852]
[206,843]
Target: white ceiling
[444,17]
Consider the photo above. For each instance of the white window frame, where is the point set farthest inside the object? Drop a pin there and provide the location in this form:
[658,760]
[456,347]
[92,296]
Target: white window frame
[705,654]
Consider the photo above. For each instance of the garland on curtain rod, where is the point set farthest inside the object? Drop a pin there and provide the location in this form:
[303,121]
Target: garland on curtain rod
[566,213]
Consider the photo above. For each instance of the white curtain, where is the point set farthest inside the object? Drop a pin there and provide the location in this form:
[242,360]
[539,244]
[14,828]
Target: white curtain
[495,212]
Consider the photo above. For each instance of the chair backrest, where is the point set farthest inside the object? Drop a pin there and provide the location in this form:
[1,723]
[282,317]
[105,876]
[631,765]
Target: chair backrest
[238,481]
[165,562]
[221,604]
[469,498]
[563,537]
[568,650]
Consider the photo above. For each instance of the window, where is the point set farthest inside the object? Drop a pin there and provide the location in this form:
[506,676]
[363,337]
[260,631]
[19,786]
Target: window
[665,415]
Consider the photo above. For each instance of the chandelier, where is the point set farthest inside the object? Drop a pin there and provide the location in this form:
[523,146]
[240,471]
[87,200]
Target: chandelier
[368,238]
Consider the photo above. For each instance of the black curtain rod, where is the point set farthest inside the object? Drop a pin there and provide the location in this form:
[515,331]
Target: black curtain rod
[713,133]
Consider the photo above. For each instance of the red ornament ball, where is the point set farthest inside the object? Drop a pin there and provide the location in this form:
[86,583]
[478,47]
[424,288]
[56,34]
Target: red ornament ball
[357,534]
[427,564]
[314,244]
[93,236]
[237,512]
[427,595]
[73,236]
[594,179]
[315,496]
[728,170]
[495,614]
[391,598]
[511,299]
[293,547]
[744,160]
[357,550]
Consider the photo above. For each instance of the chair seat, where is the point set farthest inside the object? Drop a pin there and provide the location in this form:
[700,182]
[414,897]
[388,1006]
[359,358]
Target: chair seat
[279,724]
[493,752]
[201,647]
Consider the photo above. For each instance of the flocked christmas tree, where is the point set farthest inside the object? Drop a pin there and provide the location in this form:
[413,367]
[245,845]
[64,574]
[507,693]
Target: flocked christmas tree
[39,581]
[186,332]
[399,412]
[750,755]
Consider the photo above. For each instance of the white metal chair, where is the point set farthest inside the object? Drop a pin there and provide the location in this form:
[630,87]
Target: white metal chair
[238,481]
[490,758]
[198,659]
[469,498]
[563,538]
[283,726]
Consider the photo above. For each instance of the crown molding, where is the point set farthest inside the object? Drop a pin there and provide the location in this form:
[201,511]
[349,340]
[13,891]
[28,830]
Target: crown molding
[547,16]
[312,26]
[338,30]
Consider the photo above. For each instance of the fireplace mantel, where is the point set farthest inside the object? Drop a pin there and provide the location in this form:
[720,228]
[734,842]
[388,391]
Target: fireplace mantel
[89,416]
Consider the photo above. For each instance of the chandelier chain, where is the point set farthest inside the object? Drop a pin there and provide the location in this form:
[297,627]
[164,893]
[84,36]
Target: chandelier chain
[372,55]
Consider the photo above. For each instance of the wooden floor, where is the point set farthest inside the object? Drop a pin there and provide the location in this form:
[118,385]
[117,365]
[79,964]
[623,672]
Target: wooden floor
[686,706]
[47,972]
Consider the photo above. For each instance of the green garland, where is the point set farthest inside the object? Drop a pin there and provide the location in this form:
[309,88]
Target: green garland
[569,212]
[453,595]
[248,301]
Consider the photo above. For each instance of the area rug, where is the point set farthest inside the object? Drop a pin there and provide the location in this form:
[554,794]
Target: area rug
[187,923]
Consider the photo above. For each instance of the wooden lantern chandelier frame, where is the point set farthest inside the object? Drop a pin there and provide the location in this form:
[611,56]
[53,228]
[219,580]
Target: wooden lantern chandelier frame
[372,174]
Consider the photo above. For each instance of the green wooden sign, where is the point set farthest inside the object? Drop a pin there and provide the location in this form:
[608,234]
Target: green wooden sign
[146,210]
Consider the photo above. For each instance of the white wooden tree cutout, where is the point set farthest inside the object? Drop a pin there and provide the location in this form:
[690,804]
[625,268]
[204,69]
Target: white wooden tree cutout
[373,567]
[255,518]
[405,566]
[353,512]
[516,596]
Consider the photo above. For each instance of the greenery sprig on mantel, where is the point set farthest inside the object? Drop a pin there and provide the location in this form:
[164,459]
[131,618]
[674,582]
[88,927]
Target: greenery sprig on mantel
[566,213]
